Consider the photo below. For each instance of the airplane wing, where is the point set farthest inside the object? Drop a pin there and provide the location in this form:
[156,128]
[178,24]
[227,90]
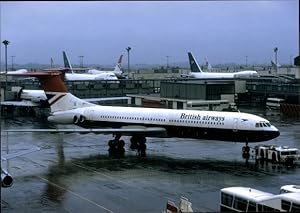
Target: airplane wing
[125,130]
[17,154]
[105,99]
[22,103]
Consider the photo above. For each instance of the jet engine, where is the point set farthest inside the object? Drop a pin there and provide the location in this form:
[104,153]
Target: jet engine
[6,179]
[78,119]
[67,118]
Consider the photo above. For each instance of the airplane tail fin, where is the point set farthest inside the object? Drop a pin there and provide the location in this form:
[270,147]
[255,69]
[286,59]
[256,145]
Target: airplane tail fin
[56,91]
[193,63]
[208,66]
[67,63]
[274,64]
[118,66]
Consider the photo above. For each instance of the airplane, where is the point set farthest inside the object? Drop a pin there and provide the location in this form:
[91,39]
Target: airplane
[16,71]
[6,177]
[117,71]
[140,123]
[208,66]
[38,98]
[196,72]
[84,76]
[273,64]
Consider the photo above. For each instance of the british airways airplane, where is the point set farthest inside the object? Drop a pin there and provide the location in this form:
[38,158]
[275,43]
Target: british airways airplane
[196,72]
[117,71]
[86,76]
[144,122]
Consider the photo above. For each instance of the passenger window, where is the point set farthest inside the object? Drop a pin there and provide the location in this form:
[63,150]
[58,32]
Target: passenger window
[251,207]
[285,205]
[259,208]
[240,204]
[295,208]
[226,199]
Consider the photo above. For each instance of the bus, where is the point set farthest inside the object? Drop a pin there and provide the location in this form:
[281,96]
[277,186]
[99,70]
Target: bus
[245,199]
[274,103]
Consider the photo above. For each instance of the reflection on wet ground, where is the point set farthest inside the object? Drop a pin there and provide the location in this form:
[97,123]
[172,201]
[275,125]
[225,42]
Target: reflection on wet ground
[74,173]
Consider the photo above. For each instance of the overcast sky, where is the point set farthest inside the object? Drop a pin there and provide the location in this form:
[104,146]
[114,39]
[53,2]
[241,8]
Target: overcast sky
[222,31]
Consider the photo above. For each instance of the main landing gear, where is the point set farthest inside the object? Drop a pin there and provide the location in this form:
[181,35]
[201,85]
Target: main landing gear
[116,146]
[246,151]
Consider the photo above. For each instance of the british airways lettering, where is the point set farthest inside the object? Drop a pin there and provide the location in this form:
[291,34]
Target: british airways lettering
[204,118]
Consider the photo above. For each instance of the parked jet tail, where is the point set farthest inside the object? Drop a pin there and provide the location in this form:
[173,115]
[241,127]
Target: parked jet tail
[58,97]
[193,63]
[67,62]
[118,66]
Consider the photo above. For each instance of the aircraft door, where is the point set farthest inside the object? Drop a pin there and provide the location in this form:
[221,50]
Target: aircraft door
[235,125]
[90,114]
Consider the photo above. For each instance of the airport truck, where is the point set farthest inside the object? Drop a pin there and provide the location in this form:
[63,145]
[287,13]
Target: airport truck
[277,154]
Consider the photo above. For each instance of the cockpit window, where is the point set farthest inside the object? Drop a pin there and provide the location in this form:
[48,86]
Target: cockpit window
[262,124]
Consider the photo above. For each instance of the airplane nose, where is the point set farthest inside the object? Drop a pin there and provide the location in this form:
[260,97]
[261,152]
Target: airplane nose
[275,132]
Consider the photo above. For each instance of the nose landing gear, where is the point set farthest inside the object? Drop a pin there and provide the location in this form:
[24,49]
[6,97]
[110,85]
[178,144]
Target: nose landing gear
[246,151]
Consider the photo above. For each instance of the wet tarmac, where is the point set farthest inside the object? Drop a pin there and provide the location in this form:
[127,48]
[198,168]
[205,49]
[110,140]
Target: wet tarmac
[74,173]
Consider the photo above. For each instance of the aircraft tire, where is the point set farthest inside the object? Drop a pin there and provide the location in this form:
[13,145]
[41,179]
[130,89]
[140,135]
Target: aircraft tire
[110,143]
[122,143]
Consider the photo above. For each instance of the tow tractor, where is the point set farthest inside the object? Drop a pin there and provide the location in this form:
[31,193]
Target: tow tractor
[277,154]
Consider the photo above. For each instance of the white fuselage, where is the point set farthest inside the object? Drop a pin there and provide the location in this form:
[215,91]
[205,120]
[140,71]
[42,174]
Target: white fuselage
[97,72]
[217,75]
[84,77]
[227,126]
[33,95]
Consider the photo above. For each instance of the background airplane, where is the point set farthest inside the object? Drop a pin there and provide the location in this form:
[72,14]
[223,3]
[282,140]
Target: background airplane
[85,76]
[208,66]
[38,98]
[196,72]
[117,71]
[148,122]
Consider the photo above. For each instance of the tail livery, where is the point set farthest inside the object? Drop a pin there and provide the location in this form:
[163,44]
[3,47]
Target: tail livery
[193,63]
[118,66]
[67,62]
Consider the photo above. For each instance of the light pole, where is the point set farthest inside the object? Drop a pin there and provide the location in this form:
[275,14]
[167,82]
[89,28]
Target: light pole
[51,62]
[81,60]
[5,42]
[275,51]
[167,61]
[12,62]
[128,70]
[246,61]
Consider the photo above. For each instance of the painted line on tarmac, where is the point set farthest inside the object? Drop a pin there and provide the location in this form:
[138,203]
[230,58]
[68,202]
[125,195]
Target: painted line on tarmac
[77,195]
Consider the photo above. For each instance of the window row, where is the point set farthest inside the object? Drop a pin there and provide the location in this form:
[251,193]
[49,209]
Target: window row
[132,118]
[197,122]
